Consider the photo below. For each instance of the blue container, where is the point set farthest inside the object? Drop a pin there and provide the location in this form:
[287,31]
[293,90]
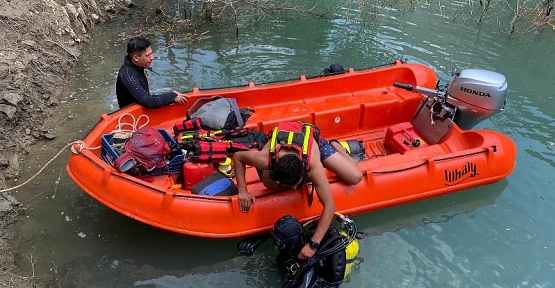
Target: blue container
[109,155]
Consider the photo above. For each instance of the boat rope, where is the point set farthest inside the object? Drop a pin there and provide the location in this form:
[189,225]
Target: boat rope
[493,147]
[76,148]
[381,65]
[125,129]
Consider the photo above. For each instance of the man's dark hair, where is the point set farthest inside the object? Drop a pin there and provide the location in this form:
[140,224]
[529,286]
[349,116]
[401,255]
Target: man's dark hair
[137,45]
[288,170]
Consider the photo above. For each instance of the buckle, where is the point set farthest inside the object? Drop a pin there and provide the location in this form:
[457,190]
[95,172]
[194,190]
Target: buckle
[293,268]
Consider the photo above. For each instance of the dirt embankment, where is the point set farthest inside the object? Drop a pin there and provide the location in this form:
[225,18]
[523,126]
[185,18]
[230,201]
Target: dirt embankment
[40,46]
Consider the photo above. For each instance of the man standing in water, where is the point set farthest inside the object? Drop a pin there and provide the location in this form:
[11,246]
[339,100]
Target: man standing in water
[132,83]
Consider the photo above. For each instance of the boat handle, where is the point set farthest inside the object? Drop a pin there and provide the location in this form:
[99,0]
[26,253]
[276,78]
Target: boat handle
[408,87]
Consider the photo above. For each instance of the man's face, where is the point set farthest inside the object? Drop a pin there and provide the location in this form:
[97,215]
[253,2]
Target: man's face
[143,59]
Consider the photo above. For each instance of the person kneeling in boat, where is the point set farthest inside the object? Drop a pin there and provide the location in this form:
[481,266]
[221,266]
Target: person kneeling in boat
[283,163]
[328,267]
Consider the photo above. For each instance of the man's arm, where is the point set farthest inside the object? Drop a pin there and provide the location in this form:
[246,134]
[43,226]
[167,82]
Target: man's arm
[240,161]
[323,190]
[141,94]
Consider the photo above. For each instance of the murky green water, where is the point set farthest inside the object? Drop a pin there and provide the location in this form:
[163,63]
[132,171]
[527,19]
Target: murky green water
[501,235]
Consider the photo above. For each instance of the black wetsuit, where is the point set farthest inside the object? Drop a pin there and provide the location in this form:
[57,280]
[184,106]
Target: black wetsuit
[328,272]
[132,87]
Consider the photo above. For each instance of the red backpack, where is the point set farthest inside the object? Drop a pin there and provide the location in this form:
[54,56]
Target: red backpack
[146,149]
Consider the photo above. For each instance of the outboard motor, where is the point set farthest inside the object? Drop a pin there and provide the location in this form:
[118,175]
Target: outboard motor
[477,94]
[471,97]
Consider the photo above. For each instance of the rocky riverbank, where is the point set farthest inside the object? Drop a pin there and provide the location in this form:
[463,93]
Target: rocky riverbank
[41,44]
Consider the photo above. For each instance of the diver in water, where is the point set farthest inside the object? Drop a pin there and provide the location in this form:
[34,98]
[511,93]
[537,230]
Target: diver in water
[332,261]
[328,267]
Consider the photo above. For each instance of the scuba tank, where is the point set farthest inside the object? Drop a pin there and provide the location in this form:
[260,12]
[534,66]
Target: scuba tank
[351,252]
[332,262]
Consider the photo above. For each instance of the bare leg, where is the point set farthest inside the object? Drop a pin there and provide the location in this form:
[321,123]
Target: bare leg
[343,165]
[341,150]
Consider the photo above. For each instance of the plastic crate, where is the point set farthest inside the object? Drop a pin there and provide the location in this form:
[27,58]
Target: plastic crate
[109,155]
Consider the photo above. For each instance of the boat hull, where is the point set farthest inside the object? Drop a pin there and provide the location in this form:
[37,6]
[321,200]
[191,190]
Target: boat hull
[360,105]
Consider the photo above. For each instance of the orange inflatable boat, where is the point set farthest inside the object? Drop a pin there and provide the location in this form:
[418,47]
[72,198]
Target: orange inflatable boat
[417,141]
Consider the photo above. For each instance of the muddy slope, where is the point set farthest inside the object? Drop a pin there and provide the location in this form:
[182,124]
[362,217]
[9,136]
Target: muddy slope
[40,45]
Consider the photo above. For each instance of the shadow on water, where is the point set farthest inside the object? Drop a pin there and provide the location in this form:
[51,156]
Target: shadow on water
[98,246]
[260,269]
[112,250]
[436,210]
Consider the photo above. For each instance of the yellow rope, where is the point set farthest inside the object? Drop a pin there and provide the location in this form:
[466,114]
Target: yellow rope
[79,145]
[75,150]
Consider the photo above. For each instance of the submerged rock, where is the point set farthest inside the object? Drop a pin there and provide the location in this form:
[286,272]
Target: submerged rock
[7,205]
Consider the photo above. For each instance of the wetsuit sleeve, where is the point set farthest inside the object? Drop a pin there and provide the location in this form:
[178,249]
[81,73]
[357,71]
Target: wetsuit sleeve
[142,95]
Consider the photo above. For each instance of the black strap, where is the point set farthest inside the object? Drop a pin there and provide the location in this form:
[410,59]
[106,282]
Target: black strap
[235,108]
[311,196]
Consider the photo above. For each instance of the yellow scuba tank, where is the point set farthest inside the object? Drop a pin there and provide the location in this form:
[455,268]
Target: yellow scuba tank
[334,268]
[351,252]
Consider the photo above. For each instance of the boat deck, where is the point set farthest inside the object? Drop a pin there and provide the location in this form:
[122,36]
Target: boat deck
[374,144]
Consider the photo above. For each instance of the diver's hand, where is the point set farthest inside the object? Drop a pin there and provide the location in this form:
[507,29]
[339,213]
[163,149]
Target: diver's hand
[181,98]
[245,201]
[306,252]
